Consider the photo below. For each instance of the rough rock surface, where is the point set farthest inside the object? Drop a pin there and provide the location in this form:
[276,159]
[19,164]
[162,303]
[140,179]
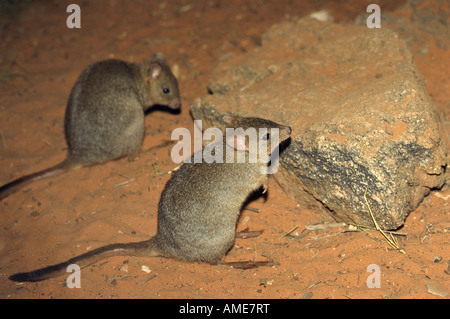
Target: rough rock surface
[361,117]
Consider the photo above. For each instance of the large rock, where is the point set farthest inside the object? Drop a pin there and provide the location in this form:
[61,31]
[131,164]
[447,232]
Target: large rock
[361,117]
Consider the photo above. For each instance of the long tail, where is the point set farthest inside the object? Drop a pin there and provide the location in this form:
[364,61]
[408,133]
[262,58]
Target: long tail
[17,184]
[143,248]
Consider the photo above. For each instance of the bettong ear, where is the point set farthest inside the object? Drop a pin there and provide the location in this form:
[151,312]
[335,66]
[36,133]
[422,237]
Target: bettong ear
[159,56]
[238,142]
[228,119]
[235,141]
[154,70]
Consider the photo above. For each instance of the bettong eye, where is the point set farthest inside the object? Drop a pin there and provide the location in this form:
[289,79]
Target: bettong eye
[166,90]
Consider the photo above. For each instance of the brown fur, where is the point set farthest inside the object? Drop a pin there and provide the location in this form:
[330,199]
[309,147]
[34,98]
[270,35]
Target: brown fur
[104,118]
[197,212]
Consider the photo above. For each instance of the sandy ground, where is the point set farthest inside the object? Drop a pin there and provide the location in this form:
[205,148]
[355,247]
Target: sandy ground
[52,220]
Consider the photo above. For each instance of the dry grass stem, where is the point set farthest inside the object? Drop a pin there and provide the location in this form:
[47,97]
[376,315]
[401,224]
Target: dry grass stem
[390,239]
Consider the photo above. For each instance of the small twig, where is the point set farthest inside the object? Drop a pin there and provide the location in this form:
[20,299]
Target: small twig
[314,284]
[124,183]
[250,264]
[285,234]
[48,143]
[326,236]
[148,279]
[185,8]
[324,226]
[248,85]
[118,278]
[157,172]
[390,240]
[169,171]
[256,210]
[248,234]
[360,227]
